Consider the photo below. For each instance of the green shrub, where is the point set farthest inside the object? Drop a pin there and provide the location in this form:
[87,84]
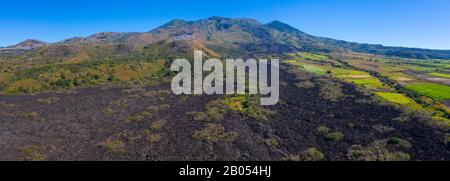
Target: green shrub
[247,105]
[335,136]
[330,90]
[215,114]
[271,142]
[157,125]
[135,118]
[114,146]
[312,154]
[323,130]
[398,156]
[258,113]
[32,153]
[394,140]
[376,151]
[305,84]
[398,142]
[198,116]
[62,83]
[214,133]
[154,138]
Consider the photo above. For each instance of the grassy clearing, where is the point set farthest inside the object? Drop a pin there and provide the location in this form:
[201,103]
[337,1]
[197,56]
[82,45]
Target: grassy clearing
[437,92]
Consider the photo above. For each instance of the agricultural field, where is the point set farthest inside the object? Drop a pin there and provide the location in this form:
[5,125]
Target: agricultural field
[437,92]
[420,85]
[329,67]
[395,97]
[437,74]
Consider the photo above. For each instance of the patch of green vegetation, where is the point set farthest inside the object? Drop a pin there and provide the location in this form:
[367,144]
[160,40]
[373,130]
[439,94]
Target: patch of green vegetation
[215,114]
[437,92]
[271,142]
[108,111]
[330,90]
[395,97]
[348,73]
[158,125]
[247,105]
[198,116]
[335,136]
[379,151]
[437,74]
[313,69]
[149,111]
[114,146]
[312,154]
[237,103]
[258,113]
[440,122]
[63,76]
[154,138]
[323,130]
[160,94]
[135,118]
[24,86]
[32,153]
[396,141]
[214,133]
[359,78]
[305,84]
[158,108]
[312,56]
[368,82]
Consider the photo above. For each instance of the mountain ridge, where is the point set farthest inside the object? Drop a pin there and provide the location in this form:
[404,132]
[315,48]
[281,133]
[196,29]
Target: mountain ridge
[241,36]
[23,46]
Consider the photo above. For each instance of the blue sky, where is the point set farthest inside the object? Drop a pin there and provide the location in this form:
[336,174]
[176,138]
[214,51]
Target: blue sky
[411,23]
